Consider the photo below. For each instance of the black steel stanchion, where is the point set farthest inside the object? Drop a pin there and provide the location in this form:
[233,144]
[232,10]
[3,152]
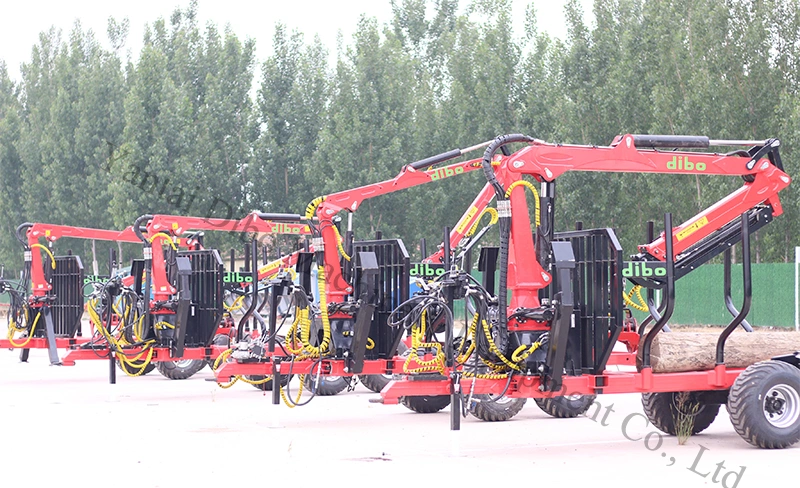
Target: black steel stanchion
[276,381]
[455,379]
[112,368]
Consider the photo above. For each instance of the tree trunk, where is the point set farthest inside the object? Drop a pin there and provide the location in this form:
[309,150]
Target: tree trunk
[674,352]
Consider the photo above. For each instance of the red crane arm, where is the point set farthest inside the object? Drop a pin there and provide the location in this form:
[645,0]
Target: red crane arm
[350,200]
[548,160]
[162,228]
[763,180]
[51,233]
[177,225]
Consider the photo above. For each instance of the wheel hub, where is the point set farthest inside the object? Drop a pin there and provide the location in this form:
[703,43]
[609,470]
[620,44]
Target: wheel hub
[782,406]
[774,405]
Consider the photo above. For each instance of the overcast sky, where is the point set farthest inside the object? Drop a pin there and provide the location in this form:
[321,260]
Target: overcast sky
[22,21]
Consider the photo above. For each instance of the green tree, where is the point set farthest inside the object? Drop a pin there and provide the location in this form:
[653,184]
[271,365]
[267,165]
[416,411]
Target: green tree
[11,214]
[369,124]
[189,130]
[292,97]
[73,94]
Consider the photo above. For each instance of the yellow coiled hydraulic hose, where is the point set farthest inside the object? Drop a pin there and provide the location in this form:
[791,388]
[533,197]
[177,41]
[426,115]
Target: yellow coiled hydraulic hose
[532,188]
[117,344]
[236,305]
[418,341]
[312,207]
[300,322]
[493,220]
[339,244]
[52,258]
[13,328]
[166,237]
[642,305]
[323,308]
[463,355]
[493,348]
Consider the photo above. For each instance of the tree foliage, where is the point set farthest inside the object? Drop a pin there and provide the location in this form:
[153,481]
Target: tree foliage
[196,127]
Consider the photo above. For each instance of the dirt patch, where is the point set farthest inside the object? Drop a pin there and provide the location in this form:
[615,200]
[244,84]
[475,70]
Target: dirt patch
[719,328]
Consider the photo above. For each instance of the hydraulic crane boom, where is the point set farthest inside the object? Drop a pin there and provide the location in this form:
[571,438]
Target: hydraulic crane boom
[760,167]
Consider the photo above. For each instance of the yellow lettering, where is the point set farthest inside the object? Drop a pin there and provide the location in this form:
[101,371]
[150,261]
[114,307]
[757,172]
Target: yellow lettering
[692,228]
[462,224]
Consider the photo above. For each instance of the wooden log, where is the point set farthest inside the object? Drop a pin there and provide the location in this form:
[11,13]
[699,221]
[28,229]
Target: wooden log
[674,352]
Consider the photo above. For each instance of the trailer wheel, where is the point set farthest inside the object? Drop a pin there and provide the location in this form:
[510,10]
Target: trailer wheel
[764,404]
[180,369]
[267,385]
[565,407]
[328,385]
[425,404]
[490,408]
[662,408]
[149,367]
[376,382]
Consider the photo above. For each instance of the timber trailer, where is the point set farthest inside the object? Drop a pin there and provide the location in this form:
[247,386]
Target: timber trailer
[173,311]
[244,291]
[553,338]
[47,305]
[51,316]
[347,333]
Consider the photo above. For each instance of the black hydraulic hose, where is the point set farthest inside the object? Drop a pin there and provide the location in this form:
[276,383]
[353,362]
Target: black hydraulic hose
[137,228]
[147,252]
[253,291]
[22,232]
[504,211]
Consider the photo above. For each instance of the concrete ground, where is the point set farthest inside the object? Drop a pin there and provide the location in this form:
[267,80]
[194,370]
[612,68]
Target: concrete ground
[66,426]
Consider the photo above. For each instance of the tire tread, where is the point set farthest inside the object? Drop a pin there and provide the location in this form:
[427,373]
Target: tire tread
[743,398]
[496,412]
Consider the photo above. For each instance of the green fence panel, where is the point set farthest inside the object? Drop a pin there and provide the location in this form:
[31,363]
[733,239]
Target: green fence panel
[699,296]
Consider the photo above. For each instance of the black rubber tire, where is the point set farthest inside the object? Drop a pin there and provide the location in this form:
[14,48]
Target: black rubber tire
[495,411]
[661,410]
[747,404]
[181,369]
[147,369]
[328,385]
[267,386]
[425,404]
[422,404]
[563,407]
[376,382]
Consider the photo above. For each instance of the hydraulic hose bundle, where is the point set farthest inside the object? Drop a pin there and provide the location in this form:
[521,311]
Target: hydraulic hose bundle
[484,340]
[19,317]
[129,333]
[298,341]
[479,348]
[424,314]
